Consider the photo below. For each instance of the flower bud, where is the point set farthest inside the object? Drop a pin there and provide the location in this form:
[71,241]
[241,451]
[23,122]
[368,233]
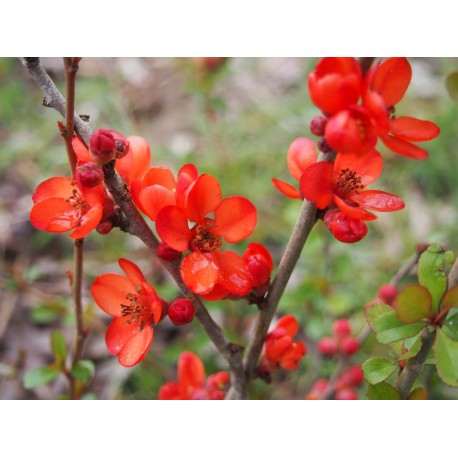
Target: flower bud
[343,227]
[102,146]
[349,345]
[104,227]
[167,253]
[122,144]
[317,125]
[387,294]
[341,328]
[328,346]
[323,146]
[88,175]
[346,394]
[181,311]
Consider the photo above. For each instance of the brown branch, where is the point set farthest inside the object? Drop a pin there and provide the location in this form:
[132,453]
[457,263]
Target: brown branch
[365,64]
[414,366]
[137,226]
[52,96]
[304,224]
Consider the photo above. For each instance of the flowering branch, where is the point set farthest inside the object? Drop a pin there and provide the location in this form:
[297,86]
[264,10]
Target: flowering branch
[136,225]
[414,366]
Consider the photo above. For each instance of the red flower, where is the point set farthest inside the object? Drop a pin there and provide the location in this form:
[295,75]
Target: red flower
[191,383]
[158,188]
[280,349]
[343,227]
[61,206]
[343,184]
[260,265]
[135,307]
[388,83]
[335,84]
[234,219]
[301,154]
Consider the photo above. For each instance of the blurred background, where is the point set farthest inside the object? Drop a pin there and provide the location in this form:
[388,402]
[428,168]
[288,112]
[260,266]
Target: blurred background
[234,118]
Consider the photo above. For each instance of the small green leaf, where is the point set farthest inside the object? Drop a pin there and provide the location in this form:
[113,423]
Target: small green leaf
[446,352]
[382,391]
[412,350]
[84,370]
[413,304]
[418,394]
[431,273]
[450,299]
[451,83]
[449,257]
[389,329]
[378,369]
[59,348]
[40,376]
[88,397]
[374,311]
[452,323]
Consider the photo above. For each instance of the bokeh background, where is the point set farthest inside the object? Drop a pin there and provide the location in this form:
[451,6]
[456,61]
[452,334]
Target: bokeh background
[236,123]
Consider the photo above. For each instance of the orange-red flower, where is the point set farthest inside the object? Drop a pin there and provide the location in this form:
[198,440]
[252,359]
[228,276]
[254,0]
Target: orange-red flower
[191,383]
[343,184]
[260,265]
[301,154]
[61,206]
[343,227]
[280,349]
[234,219]
[135,307]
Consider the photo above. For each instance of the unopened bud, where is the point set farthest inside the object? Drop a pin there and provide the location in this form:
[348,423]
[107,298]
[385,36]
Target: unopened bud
[387,294]
[349,345]
[181,311]
[104,227]
[167,253]
[122,144]
[343,227]
[323,146]
[102,146]
[89,175]
[328,346]
[317,125]
[341,328]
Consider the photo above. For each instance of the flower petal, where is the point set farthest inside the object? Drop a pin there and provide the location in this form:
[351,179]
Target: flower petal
[217,293]
[391,79]
[136,347]
[199,272]
[203,196]
[289,324]
[316,184]
[378,200]
[235,219]
[275,348]
[368,166]
[54,215]
[54,187]
[286,189]
[81,150]
[354,212]
[154,198]
[413,130]
[191,371]
[132,271]
[172,228]
[88,222]
[110,291]
[186,176]
[404,148]
[234,274]
[290,359]
[170,391]
[161,176]
[136,162]
[301,154]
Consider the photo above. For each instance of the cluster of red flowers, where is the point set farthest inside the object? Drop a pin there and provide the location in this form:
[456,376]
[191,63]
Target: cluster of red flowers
[191,383]
[357,110]
[340,342]
[343,388]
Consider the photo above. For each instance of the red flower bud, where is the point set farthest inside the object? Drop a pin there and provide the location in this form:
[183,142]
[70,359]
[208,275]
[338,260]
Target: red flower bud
[343,227]
[167,253]
[349,345]
[328,346]
[122,144]
[346,394]
[88,175]
[102,146]
[104,227]
[387,294]
[317,125]
[181,311]
[108,209]
[341,328]
[323,146]
[356,374]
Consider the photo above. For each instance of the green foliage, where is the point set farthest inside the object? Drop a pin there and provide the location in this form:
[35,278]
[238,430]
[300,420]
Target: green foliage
[59,348]
[446,353]
[382,392]
[378,369]
[451,83]
[413,304]
[40,376]
[83,370]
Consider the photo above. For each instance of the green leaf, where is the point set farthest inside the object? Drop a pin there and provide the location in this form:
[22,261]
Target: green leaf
[382,391]
[59,348]
[389,329]
[84,370]
[450,299]
[431,273]
[451,83]
[88,397]
[374,311]
[446,352]
[412,350]
[378,369]
[418,394]
[452,323]
[40,376]
[413,304]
